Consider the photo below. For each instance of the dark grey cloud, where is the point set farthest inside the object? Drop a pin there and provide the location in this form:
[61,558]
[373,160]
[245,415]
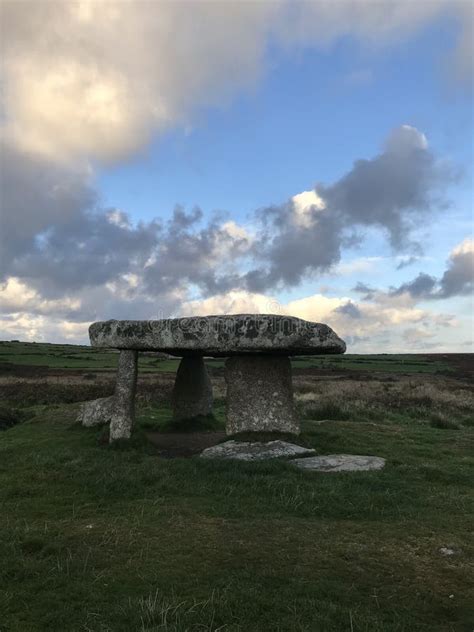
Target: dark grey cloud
[391,191]
[420,287]
[404,263]
[349,309]
[35,195]
[458,278]
[84,253]
[362,288]
[58,237]
[291,250]
[191,253]
[54,233]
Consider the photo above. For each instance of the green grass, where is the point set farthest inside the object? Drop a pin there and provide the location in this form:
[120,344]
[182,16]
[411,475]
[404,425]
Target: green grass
[100,539]
[159,419]
[84,357]
[393,363]
[74,357]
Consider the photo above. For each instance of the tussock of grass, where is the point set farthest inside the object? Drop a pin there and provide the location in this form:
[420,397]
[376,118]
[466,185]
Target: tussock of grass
[327,410]
[438,421]
[160,613]
[416,400]
[9,417]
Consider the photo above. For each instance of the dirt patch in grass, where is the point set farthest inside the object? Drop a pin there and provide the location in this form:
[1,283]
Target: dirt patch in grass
[183,444]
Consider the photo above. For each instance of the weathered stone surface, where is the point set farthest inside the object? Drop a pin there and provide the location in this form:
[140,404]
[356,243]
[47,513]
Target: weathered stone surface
[259,395]
[124,414]
[97,411]
[219,335]
[254,451]
[341,463]
[192,392]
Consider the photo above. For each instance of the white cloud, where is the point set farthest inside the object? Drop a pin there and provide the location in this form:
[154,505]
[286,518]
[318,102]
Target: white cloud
[235,302]
[118,218]
[305,204]
[34,328]
[367,327]
[97,79]
[466,247]
[404,139]
[17,296]
[415,335]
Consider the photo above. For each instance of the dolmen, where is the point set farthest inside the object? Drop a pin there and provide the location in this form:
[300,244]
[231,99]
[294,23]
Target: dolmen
[257,370]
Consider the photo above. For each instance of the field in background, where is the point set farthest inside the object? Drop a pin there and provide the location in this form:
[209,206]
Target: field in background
[131,539]
[54,356]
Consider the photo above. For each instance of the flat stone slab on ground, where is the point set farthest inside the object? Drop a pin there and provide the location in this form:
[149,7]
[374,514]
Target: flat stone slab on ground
[219,336]
[340,463]
[255,450]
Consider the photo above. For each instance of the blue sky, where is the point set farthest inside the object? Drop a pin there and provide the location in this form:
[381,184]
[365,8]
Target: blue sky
[262,113]
[309,118]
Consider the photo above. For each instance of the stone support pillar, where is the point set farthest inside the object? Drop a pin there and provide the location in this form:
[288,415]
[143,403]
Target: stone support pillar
[192,392]
[119,409]
[260,395]
[124,414]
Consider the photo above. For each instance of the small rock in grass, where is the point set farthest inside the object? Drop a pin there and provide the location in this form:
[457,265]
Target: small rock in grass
[340,463]
[448,551]
[255,451]
[445,551]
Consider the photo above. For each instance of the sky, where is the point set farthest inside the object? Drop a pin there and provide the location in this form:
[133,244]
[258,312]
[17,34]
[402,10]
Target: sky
[162,159]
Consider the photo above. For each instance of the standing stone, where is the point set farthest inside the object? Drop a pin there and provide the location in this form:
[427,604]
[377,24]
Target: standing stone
[192,392]
[260,395]
[119,409]
[124,409]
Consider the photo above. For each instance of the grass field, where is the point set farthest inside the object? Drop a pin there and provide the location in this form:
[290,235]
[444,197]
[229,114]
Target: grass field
[121,539]
[82,357]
